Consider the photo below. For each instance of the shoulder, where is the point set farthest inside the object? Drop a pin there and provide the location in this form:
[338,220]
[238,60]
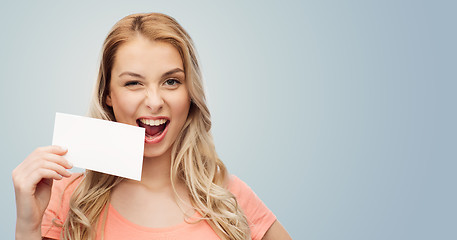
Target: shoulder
[63,189]
[67,185]
[259,217]
[236,185]
[244,195]
[59,205]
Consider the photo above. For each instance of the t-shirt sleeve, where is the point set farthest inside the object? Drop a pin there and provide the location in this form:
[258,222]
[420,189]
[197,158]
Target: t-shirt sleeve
[57,210]
[259,217]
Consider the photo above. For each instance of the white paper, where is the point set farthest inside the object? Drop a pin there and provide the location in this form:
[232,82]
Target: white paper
[104,146]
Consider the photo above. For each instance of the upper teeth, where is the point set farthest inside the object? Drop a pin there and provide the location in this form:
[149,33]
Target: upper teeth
[151,122]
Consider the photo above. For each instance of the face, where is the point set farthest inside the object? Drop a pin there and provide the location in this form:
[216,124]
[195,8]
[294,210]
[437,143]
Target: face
[148,89]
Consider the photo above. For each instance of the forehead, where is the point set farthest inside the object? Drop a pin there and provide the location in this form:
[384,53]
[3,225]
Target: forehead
[146,57]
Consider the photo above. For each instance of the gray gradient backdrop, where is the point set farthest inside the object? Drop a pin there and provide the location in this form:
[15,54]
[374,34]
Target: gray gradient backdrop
[339,114]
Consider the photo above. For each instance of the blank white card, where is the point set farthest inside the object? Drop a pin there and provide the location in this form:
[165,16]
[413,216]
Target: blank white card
[104,146]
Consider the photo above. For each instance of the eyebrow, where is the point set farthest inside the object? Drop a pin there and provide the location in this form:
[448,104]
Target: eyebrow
[172,71]
[132,74]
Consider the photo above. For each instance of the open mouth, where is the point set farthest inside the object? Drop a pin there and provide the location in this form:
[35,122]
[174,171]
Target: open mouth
[153,128]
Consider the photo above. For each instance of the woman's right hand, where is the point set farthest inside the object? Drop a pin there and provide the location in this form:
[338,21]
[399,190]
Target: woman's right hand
[32,184]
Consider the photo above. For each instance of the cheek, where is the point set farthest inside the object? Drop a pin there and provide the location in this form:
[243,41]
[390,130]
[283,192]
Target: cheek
[181,107]
[124,106]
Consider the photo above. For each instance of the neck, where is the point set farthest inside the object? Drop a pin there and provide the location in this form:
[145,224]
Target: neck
[156,172]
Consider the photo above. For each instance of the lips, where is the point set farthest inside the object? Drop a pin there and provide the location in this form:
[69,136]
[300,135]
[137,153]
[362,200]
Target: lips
[155,129]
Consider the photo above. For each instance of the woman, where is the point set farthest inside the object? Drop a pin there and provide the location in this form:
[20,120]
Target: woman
[149,77]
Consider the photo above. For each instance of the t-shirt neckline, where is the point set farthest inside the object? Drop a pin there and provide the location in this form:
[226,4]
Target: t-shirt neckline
[194,218]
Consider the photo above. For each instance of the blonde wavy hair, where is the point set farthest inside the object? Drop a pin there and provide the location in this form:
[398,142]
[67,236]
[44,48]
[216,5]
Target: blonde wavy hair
[194,159]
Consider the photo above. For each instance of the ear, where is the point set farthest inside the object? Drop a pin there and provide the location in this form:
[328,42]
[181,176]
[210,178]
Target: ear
[108,100]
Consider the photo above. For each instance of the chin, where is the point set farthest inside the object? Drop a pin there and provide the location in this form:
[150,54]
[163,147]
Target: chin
[155,152]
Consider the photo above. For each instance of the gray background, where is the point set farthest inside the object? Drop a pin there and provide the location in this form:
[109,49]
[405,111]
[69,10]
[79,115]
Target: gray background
[339,114]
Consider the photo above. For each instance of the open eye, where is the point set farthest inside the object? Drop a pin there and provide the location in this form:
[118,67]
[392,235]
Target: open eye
[172,82]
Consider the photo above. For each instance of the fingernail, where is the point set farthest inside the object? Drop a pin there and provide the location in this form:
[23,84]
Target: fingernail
[71,164]
[64,148]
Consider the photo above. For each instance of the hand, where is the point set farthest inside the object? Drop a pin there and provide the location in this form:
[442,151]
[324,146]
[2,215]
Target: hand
[32,181]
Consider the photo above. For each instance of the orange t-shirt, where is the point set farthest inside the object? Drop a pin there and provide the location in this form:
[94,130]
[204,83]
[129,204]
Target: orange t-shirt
[260,218]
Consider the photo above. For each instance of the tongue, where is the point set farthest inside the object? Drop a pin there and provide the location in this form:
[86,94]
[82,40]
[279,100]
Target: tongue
[153,130]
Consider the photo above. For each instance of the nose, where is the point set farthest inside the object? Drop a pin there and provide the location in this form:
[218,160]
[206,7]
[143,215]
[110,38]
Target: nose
[153,100]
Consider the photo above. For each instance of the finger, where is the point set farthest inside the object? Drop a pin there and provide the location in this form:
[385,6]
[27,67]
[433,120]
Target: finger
[44,173]
[42,160]
[59,160]
[28,183]
[46,163]
[59,150]
[56,168]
